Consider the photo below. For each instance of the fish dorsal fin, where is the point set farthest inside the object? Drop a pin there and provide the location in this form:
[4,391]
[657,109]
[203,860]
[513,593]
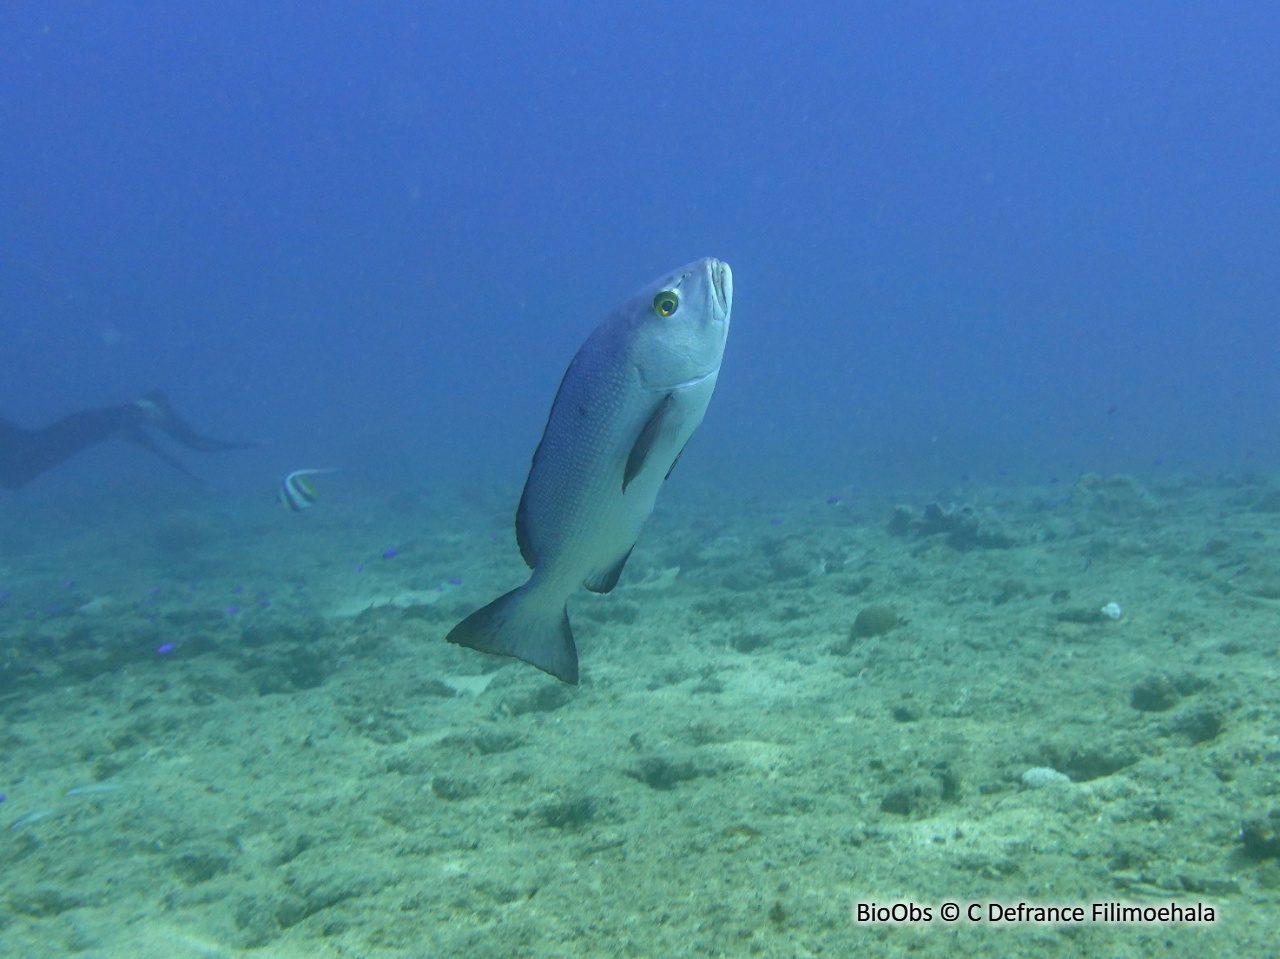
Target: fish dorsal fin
[645,441]
[605,581]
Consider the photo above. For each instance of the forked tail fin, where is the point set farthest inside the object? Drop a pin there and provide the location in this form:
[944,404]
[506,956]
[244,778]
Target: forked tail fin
[521,624]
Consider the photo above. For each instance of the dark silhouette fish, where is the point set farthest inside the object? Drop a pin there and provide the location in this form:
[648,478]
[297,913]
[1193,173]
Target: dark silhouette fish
[630,400]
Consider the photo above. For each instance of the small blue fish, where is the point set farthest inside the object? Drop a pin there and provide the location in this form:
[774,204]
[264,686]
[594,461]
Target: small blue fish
[297,492]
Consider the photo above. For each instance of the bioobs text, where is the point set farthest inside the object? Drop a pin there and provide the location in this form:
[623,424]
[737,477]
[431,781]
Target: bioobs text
[897,912]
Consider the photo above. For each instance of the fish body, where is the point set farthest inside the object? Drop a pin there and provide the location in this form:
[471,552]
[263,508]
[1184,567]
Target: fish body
[629,402]
[297,492]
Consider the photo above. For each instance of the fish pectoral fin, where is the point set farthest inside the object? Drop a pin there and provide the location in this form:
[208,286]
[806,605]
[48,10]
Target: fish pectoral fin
[646,440]
[603,582]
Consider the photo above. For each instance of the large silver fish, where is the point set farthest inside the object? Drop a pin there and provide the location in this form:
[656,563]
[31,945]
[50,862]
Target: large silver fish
[630,400]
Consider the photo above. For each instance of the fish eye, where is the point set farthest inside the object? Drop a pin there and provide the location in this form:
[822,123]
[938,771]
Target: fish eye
[666,302]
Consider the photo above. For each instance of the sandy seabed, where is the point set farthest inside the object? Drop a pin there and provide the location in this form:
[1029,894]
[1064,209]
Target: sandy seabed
[234,732]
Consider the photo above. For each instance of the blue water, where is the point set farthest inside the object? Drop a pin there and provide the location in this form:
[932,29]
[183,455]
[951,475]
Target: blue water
[988,240]
[987,498]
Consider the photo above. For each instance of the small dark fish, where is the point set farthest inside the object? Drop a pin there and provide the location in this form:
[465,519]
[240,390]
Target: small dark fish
[297,492]
[629,402]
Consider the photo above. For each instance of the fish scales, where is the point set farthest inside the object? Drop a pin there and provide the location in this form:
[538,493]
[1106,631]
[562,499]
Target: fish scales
[629,402]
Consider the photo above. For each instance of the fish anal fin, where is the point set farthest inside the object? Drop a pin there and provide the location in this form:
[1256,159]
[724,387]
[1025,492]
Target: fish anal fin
[523,539]
[672,468]
[646,440]
[604,581]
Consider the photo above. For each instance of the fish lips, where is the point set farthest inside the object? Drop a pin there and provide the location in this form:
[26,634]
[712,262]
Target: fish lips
[722,284]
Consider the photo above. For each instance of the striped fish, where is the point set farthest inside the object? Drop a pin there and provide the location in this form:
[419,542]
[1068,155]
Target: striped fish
[297,492]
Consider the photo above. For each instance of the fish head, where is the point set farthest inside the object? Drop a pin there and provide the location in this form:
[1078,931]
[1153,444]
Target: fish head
[677,325]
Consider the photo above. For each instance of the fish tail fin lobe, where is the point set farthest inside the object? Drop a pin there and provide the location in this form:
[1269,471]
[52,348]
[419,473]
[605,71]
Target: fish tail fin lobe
[518,624]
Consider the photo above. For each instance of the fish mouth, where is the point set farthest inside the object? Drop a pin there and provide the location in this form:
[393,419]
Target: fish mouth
[722,283]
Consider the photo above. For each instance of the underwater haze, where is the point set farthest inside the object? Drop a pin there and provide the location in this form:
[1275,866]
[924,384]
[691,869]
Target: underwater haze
[982,239]
[964,590]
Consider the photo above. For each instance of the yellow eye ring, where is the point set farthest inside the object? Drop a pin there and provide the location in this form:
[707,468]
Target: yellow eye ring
[666,302]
